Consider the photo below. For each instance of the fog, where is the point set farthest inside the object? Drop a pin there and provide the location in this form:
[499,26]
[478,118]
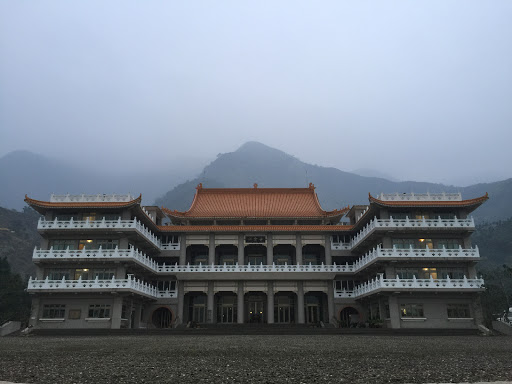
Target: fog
[418,90]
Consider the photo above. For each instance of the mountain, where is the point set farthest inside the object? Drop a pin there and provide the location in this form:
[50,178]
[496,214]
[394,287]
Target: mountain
[257,163]
[23,172]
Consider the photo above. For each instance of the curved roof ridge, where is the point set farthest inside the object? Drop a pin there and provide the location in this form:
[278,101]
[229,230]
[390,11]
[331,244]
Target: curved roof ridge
[81,204]
[435,203]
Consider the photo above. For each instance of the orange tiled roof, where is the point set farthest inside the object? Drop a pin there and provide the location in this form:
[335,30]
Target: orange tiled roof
[102,204]
[463,203]
[254,228]
[255,203]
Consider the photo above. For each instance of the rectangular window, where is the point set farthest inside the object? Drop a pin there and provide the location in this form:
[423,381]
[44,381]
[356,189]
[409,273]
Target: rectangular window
[103,274]
[54,311]
[87,244]
[445,215]
[411,310]
[61,245]
[452,273]
[400,215]
[58,274]
[99,311]
[82,273]
[404,243]
[425,243]
[458,311]
[106,244]
[448,243]
[426,273]
[407,273]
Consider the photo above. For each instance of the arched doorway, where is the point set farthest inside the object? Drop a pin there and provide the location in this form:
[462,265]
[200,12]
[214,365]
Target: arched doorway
[284,254]
[349,317]
[313,254]
[162,318]
[255,254]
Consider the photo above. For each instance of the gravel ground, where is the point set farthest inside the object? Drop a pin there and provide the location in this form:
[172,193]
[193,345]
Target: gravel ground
[255,359]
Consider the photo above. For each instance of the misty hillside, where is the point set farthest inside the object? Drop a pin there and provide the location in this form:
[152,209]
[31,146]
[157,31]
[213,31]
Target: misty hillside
[257,163]
[23,172]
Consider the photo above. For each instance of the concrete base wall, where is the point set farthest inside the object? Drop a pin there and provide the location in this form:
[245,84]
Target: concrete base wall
[10,327]
[502,328]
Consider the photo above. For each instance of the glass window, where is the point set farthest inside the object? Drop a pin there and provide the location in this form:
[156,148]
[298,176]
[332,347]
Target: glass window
[452,273]
[58,274]
[445,215]
[458,311]
[448,243]
[106,244]
[428,243]
[407,273]
[399,215]
[103,274]
[411,310]
[82,273]
[87,244]
[61,245]
[426,273]
[99,311]
[404,243]
[54,311]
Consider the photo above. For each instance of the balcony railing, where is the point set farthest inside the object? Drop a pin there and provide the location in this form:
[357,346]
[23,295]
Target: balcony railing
[96,254]
[411,224]
[113,285]
[101,224]
[418,253]
[255,268]
[380,283]
[340,246]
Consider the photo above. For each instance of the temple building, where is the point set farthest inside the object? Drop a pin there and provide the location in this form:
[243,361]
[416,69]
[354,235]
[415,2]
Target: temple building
[256,255]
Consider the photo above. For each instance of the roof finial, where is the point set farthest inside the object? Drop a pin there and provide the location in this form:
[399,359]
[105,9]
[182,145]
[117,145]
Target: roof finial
[255,185]
[199,186]
[311,186]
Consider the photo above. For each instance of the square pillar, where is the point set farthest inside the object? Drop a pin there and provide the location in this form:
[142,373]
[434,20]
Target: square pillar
[181,300]
[240,303]
[241,249]
[270,303]
[298,249]
[123,243]
[382,309]
[183,249]
[394,312]
[330,302]
[121,272]
[327,246]
[300,303]
[117,309]
[211,249]
[34,311]
[209,304]
[138,314]
[270,249]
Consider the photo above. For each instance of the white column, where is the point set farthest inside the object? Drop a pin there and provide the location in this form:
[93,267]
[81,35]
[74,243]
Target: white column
[327,246]
[183,249]
[298,249]
[240,303]
[330,302]
[138,314]
[211,249]
[180,316]
[394,312]
[117,308]
[34,311]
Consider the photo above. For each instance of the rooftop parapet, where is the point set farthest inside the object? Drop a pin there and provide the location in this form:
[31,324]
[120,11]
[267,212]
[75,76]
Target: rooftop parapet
[99,198]
[420,196]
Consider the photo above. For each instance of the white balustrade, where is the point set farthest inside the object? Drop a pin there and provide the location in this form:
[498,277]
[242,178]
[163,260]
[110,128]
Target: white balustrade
[411,224]
[420,196]
[254,268]
[340,246]
[99,198]
[101,224]
[380,283]
[171,247]
[130,284]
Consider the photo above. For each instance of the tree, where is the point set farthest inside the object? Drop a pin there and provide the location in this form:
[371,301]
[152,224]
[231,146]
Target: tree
[14,300]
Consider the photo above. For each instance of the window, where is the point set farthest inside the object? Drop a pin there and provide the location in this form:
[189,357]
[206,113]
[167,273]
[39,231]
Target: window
[426,273]
[88,244]
[54,311]
[82,273]
[99,311]
[404,243]
[170,239]
[411,310]
[58,274]
[448,243]
[61,245]
[407,273]
[445,215]
[103,274]
[452,273]
[107,244]
[458,311]
[425,243]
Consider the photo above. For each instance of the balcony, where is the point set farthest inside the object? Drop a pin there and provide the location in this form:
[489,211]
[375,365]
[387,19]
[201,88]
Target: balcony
[100,224]
[415,254]
[381,284]
[340,246]
[130,285]
[95,254]
[420,196]
[103,198]
[407,223]
[205,268]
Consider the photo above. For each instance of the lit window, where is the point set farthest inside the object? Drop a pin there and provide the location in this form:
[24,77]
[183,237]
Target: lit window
[54,311]
[411,310]
[82,273]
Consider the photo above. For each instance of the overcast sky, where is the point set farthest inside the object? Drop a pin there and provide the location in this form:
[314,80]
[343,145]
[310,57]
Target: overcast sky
[419,90]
